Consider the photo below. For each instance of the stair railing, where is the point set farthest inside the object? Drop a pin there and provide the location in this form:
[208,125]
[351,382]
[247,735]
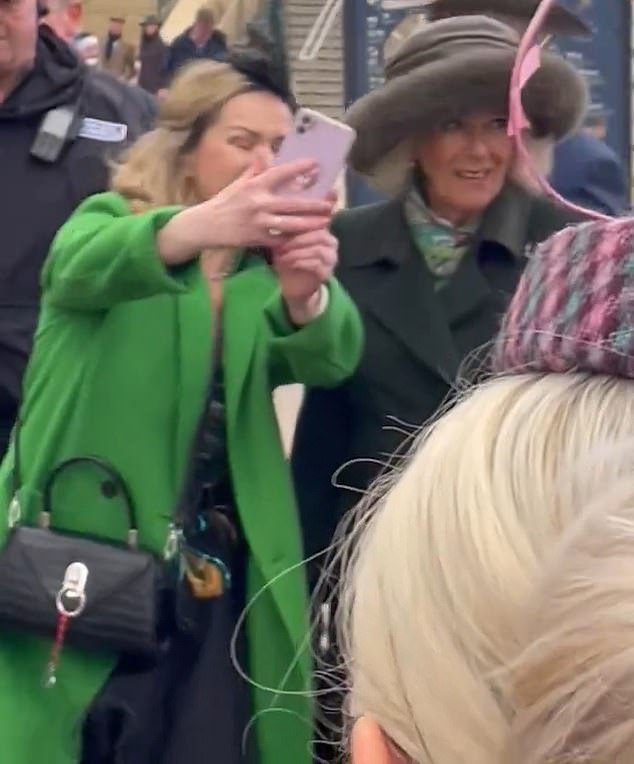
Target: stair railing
[320,30]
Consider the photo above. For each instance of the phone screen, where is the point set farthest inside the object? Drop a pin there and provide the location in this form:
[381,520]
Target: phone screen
[325,141]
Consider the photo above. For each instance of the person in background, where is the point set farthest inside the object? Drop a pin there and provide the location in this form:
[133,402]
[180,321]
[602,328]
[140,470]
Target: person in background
[201,40]
[596,122]
[586,170]
[599,182]
[152,56]
[63,17]
[118,57]
[86,46]
[46,172]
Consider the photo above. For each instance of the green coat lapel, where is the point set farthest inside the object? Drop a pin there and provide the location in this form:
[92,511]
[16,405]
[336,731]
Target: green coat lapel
[194,322]
[272,531]
[240,331]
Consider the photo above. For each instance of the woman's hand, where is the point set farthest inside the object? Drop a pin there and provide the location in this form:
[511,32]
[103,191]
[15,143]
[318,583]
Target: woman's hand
[247,213]
[303,264]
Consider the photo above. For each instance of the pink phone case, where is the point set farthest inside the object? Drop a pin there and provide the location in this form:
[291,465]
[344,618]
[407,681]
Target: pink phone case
[321,139]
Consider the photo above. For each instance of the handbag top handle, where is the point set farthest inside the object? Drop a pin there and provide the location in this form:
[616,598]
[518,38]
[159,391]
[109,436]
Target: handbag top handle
[113,485]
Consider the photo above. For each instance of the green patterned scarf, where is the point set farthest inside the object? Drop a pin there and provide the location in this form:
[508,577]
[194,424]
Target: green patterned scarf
[442,244]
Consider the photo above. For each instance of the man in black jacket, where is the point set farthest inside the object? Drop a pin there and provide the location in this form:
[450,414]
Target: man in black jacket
[60,124]
[152,56]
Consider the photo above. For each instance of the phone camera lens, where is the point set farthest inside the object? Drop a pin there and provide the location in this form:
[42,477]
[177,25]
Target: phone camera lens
[305,120]
[301,130]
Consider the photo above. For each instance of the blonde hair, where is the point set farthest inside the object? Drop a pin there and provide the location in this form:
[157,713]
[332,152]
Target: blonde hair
[443,589]
[153,174]
[572,688]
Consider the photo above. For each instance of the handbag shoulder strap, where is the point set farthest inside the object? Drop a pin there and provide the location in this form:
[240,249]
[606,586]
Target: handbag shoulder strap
[183,506]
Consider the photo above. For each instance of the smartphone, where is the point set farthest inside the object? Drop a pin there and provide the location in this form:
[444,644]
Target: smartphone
[322,139]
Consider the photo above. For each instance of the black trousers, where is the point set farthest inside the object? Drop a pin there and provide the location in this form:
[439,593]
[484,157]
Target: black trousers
[191,708]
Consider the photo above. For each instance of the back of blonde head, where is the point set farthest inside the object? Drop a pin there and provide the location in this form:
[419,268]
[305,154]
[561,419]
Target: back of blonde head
[154,173]
[572,687]
[443,591]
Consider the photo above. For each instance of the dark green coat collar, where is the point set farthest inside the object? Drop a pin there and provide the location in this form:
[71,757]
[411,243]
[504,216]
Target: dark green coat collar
[505,222]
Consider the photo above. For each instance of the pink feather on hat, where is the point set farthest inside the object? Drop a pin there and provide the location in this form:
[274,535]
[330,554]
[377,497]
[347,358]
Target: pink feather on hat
[527,63]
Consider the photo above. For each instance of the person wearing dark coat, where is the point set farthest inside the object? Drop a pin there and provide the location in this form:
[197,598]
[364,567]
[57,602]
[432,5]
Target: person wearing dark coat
[152,56]
[39,191]
[598,182]
[201,40]
[432,268]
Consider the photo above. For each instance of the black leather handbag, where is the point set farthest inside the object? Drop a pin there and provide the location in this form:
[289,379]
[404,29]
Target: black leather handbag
[92,593]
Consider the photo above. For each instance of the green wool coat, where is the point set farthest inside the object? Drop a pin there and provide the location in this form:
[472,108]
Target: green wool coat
[120,369]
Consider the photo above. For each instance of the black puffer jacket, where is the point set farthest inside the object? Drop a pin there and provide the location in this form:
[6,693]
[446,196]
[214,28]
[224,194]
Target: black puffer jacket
[37,197]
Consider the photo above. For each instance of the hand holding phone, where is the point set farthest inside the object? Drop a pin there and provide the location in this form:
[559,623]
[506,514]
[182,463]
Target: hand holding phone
[319,138]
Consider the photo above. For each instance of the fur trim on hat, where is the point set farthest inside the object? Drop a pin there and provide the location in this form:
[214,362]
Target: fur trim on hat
[542,153]
[421,100]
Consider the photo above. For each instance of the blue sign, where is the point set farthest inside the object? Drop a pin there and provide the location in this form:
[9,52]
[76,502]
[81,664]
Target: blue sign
[606,58]
[367,26]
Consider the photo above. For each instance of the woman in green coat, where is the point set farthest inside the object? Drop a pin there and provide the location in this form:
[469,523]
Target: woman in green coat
[143,288]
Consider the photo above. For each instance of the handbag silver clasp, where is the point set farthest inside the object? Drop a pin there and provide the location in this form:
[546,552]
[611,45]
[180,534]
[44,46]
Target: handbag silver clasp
[15,512]
[172,543]
[71,598]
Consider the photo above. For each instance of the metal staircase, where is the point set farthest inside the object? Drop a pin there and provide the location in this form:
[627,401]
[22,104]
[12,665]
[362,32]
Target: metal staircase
[318,81]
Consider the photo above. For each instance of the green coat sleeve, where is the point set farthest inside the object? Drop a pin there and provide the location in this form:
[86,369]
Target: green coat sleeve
[104,255]
[323,353]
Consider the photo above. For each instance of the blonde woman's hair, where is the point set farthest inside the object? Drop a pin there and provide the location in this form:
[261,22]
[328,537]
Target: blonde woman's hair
[572,688]
[459,640]
[153,174]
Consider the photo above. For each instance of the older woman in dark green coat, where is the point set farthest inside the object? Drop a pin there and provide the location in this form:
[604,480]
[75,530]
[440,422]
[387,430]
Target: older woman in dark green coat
[132,293]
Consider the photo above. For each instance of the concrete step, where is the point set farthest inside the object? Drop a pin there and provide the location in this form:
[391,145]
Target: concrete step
[319,82]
